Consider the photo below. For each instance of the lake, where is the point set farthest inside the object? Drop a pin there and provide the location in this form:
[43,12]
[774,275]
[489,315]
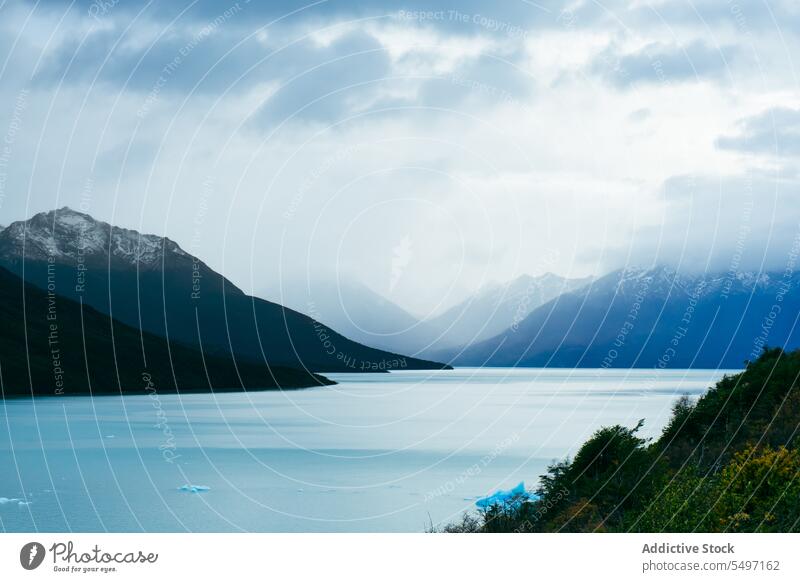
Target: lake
[378,452]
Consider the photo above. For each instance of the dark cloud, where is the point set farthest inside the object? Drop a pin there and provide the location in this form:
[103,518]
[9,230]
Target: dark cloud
[208,56]
[330,82]
[477,14]
[213,46]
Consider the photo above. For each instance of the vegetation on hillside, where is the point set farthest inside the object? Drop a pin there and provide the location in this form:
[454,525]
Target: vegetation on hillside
[729,462]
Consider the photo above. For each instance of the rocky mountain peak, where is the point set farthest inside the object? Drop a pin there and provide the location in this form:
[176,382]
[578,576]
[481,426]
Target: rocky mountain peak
[67,236]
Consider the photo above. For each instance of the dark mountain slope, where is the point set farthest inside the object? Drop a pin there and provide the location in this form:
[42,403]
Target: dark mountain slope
[50,345]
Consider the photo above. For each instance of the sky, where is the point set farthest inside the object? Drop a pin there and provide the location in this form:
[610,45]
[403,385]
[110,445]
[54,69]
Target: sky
[425,149]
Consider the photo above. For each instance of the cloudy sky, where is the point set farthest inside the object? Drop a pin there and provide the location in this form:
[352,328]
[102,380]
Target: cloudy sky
[424,148]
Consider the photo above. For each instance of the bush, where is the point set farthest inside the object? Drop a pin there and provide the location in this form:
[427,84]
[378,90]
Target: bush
[759,491]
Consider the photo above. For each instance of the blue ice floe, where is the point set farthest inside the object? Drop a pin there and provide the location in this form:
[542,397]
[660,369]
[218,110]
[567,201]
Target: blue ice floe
[513,496]
[194,488]
[10,500]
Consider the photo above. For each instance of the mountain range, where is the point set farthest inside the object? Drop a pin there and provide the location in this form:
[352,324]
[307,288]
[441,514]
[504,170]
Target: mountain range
[634,317]
[365,316]
[149,283]
[651,318]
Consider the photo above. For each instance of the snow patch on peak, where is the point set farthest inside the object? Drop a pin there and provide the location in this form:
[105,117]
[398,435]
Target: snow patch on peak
[663,280]
[70,218]
[71,236]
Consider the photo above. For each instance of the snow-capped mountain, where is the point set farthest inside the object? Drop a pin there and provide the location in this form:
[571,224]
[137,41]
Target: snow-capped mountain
[69,237]
[663,280]
[651,318]
[498,307]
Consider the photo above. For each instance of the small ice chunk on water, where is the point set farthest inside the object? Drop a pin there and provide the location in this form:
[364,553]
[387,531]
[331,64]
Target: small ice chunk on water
[24,503]
[194,488]
[4,500]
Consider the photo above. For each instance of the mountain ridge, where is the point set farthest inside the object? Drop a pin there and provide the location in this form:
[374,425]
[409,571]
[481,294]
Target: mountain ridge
[53,346]
[53,234]
[632,318]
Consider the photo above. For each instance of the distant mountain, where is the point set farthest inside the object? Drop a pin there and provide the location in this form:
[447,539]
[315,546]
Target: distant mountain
[361,314]
[357,312]
[498,307]
[651,318]
[152,284]
[51,345]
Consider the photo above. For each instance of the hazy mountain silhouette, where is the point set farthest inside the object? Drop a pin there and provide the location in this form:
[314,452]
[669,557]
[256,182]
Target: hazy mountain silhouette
[498,307]
[357,312]
[51,345]
[362,314]
[150,283]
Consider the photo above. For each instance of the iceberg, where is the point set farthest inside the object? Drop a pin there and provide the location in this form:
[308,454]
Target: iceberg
[4,500]
[513,496]
[194,488]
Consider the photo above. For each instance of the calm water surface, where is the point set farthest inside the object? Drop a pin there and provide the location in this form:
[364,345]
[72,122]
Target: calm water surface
[377,452]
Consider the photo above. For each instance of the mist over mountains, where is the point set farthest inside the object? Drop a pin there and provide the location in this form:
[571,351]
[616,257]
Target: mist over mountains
[367,317]
[357,312]
[636,317]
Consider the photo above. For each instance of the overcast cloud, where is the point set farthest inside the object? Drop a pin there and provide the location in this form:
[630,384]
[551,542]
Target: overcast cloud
[424,153]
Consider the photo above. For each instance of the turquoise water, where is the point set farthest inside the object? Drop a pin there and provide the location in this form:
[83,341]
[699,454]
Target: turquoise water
[377,452]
